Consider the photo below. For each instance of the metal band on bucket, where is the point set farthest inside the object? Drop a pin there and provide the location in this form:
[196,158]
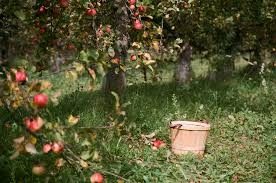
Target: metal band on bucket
[202,148]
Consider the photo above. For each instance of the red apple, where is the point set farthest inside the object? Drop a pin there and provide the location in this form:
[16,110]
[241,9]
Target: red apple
[33,124]
[40,100]
[132,7]
[20,76]
[56,11]
[42,9]
[38,169]
[64,3]
[131,2]
[47,148]
[136,14]
[34,40]
[158,144]
[91,12]
[42,30]
[141,9]
[108,28]
[116,60]
[97,178]
[133,57]
[57,147]
[27,122]
[37,24]
[70,46]
[138,25]
[99,32]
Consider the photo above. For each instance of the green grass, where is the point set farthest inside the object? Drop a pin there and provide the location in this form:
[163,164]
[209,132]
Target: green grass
[240,145]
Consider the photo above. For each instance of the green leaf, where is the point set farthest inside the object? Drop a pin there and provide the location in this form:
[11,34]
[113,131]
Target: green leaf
[20,14]
[83,56]
[111,52]
[94,54]
[150,67]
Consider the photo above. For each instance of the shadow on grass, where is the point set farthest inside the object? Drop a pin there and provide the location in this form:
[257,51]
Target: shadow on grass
[232,95]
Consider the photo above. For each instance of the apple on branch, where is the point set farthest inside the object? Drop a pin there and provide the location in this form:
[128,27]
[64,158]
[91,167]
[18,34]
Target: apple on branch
[40,100]
[33,124]
[133,57]
[137,24]
[20,76]
[91,12]
[131,2]
[64,3]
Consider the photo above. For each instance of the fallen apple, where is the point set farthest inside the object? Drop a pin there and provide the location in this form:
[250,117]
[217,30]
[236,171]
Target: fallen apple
[47,148]
[97,178]
[38,169]
[157,144]
[57,147]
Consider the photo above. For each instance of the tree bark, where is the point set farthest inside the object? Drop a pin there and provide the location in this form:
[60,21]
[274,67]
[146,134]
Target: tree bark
[115,78]
[183,71]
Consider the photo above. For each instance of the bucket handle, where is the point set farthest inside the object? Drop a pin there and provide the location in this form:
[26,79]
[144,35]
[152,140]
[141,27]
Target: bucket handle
[178,126]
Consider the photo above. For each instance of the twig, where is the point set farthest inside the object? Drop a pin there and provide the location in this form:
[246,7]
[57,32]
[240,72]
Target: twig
[90,163]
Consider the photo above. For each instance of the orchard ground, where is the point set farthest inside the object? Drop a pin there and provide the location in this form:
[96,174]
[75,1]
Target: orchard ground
[241,111]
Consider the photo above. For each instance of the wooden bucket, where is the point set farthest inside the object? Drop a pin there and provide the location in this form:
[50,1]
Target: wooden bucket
[188,136]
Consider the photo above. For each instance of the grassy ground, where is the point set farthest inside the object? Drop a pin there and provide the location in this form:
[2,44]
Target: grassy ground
[240,146]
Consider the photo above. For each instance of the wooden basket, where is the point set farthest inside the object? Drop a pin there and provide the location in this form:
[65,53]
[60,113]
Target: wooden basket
[188,136]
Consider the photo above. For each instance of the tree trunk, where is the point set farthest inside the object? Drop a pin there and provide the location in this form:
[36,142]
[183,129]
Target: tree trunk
[55,62]
[257,59]
[183,71]
[115,82]
[115,78]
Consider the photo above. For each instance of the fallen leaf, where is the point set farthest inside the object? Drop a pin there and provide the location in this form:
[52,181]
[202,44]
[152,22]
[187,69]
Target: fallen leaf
[72,75]
[55,96]
[19,140]
[92,73]
[96,156]
[30,148]
[78,66]
[85,143]
[59,162]
[136,44]
[150,136]
[76,138]
[85,155]
[155,46]
[83,164]
[72,120]
[45,85]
